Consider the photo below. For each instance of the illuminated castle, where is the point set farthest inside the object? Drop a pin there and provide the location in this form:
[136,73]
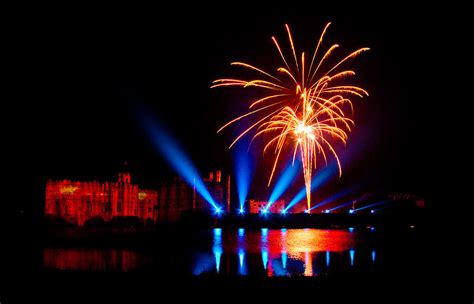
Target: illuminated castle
[77,201]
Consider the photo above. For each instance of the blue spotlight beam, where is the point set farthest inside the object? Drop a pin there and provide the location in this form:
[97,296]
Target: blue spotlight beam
[333,198]
[177,159]
[381,208]
[285,180]
[319,179]
[354,148]
[243,168]
[346,204]
[341,206]
[372,205]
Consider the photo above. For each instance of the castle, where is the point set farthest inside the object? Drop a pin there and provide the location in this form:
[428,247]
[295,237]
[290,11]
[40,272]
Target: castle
[79,201]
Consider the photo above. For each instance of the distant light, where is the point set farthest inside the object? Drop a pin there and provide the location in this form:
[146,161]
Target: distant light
[218,210]
[264,211]
[306,211]
[241,211]
[327,211]
[412,226]
[283,211]
[351,211]
[372,211]
[351,229]
[372,229]
[241,232]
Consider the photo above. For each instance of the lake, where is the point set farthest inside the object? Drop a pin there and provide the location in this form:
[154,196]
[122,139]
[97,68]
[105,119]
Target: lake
[235,252]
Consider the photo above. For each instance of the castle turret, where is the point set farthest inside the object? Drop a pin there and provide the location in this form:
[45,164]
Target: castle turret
[124,174]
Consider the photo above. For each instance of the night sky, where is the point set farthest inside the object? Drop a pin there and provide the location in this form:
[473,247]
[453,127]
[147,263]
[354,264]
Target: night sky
[85,74]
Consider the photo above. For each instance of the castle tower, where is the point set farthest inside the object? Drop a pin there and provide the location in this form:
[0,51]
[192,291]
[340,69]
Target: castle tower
[124,174]
[124,205]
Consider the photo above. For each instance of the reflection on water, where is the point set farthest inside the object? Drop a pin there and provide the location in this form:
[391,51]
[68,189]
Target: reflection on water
[241,251]
[352,252]
[93,259]
[283,252]
[264,247]
[284,257]
[217,247]
[308,264]
[268,252]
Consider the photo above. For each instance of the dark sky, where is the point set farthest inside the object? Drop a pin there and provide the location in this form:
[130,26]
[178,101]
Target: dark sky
[83,74]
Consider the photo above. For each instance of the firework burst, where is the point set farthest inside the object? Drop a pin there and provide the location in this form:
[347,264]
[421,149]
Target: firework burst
[301,106]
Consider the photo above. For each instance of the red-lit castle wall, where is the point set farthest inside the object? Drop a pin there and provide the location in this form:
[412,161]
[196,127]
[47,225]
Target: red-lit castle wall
[76,201]
[257,206]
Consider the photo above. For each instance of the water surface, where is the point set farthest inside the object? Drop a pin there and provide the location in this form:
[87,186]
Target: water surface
[235,252]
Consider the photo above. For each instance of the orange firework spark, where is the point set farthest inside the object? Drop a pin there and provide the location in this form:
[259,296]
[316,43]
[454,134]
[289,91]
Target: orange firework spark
[304,106]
